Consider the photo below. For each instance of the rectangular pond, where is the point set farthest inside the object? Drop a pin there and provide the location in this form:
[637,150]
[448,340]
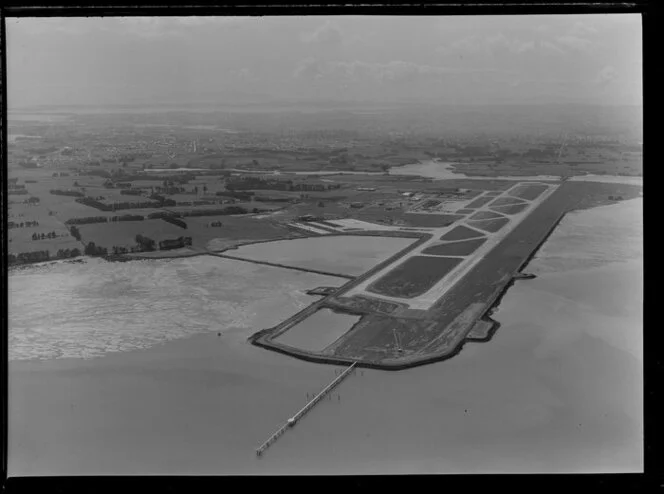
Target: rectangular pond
[318,331]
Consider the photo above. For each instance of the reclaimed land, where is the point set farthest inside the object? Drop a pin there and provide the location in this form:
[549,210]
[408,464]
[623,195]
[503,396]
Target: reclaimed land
[414,277]
[463,314]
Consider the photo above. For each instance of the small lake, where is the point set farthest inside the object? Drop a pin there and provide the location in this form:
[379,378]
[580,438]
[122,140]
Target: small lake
[350,255]
[318,331]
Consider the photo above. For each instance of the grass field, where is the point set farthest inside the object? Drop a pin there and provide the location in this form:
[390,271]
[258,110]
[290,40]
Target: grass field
[489,225]
[233,230]
[123,233]
[479,202]
[414,277]
[455,249]
[20,239]
[514,209]
[506,201]
[529,192]
[485,215]
[460,233]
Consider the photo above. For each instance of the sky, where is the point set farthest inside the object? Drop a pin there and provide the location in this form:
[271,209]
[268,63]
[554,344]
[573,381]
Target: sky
[593,59]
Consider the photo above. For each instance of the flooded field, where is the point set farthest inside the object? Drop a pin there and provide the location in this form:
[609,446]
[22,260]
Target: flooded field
[317,331]
[557,389]
[351,255]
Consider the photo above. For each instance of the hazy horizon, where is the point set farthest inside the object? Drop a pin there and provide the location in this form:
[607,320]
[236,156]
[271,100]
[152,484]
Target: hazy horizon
[453,60]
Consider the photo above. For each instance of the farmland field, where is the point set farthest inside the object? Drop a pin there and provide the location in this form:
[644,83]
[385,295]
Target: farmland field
[123,233]
[414,277]
[234,229]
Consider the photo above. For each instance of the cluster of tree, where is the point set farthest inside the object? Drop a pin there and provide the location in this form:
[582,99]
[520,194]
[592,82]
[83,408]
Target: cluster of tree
[217,212]
[89,201]
[74,231]
[175,221]
[257,183]
[145,243]
[42,236]
[272,199]
[22,224]
[93,250]
[30,181]
[72,193]
[177,243]
[160,214]
[97,173]
[243,196]
[28,164]
[31,200]
[131,192]
[15,186]
[86,220]
[27,257]
[17,192]
[119,249]
[66,253]
[128,217]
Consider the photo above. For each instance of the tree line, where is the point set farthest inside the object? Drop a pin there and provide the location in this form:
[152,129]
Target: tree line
[22,224]
[42,236]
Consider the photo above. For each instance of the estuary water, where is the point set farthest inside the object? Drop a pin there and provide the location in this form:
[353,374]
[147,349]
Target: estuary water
[557,389]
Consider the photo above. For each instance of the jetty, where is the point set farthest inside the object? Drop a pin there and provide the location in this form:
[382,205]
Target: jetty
[304,410]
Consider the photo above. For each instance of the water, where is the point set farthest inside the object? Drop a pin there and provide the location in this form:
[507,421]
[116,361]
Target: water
[318,331]
[349,255]
[557,389]
[443,171]
[86,310]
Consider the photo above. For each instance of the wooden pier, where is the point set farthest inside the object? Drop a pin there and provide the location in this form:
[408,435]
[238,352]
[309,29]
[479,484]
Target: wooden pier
[293,420]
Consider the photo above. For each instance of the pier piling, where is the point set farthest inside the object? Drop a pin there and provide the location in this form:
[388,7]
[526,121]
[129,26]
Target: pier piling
[291,422]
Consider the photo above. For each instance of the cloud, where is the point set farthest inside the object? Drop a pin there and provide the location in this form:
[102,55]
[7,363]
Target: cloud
[326,35]
[487,45]
[582,29]
[551,47]
[144,27]
[575,43]
[390,72]
[606,75]
[309,68]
